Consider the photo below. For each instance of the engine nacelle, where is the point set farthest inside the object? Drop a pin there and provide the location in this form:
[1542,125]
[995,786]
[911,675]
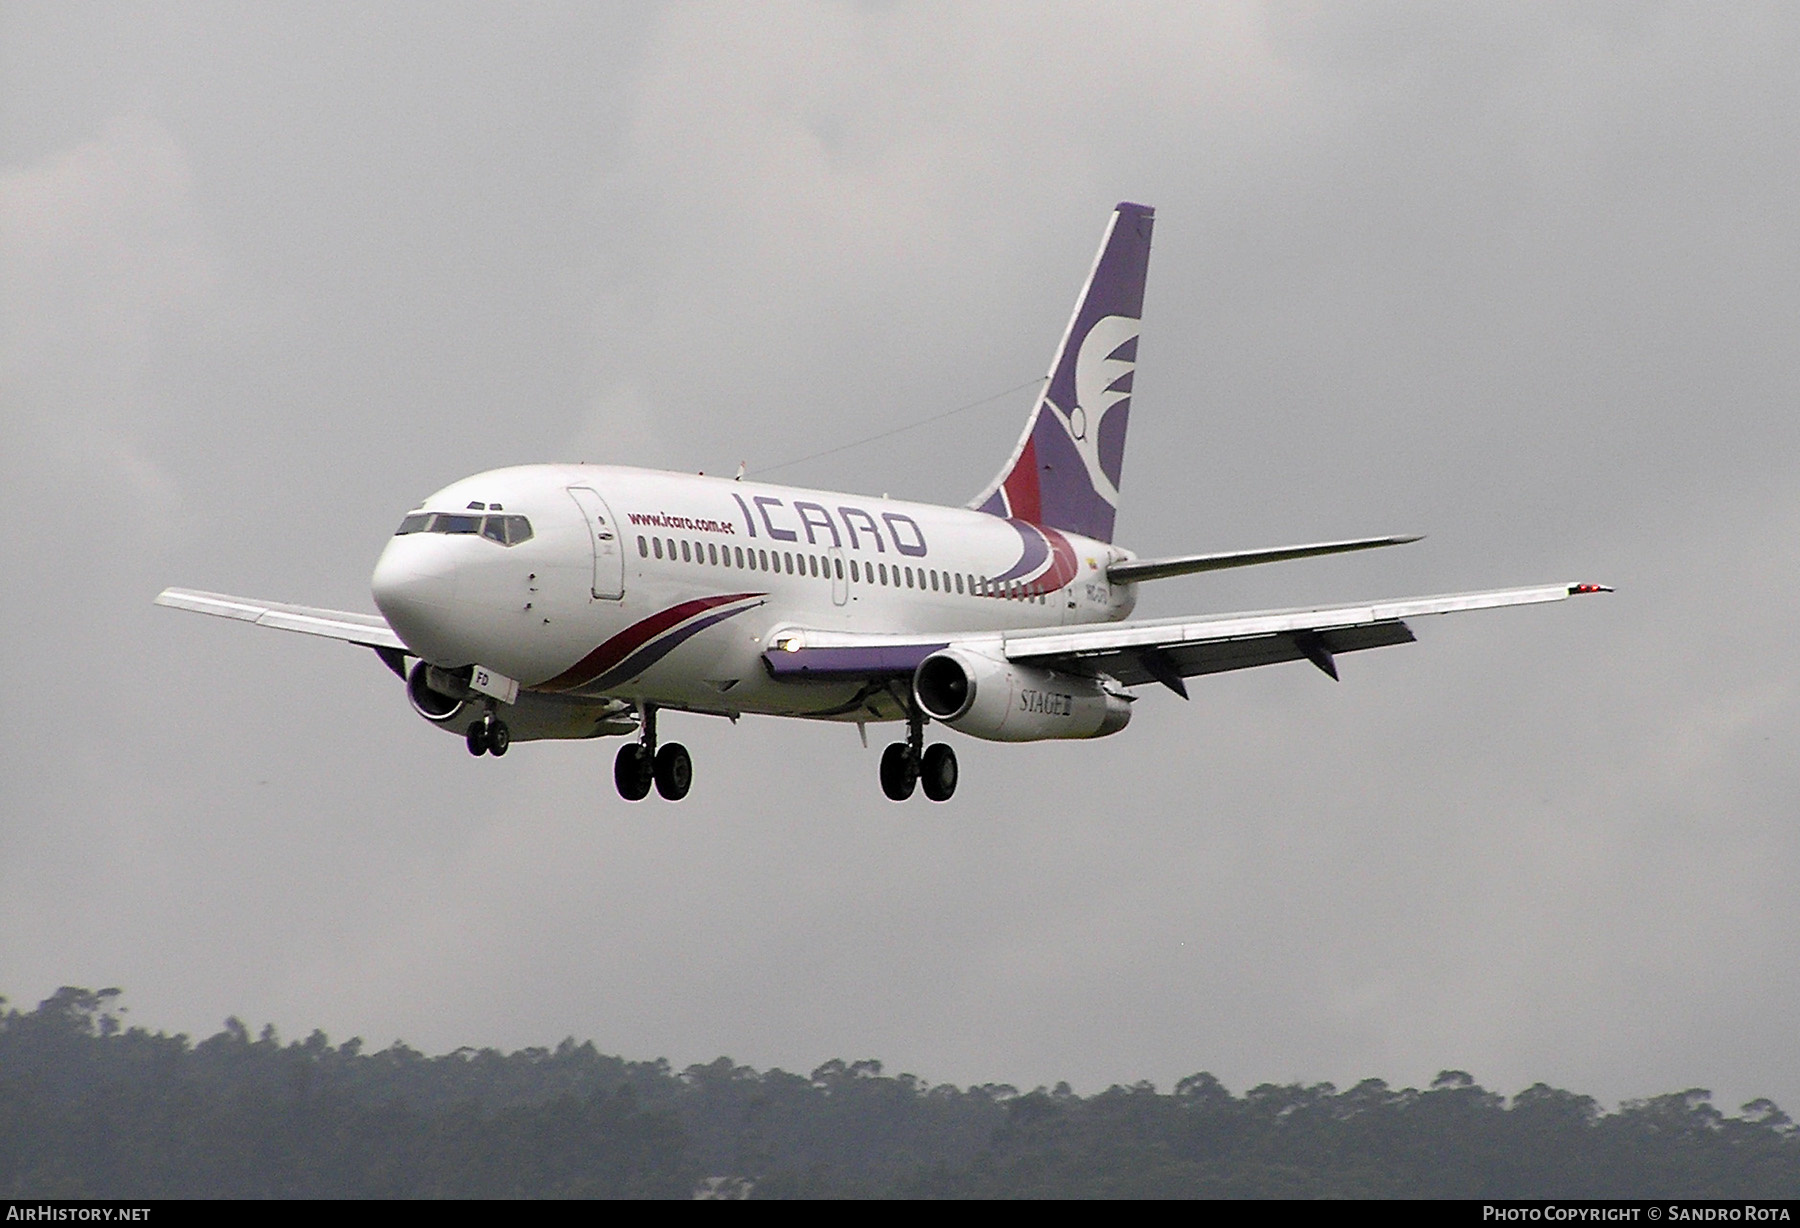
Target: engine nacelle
[995,699]
[436,704]
[534,718]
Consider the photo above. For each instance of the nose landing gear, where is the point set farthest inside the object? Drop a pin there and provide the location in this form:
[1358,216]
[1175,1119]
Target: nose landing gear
[909,764]
[489,736]
[641,764]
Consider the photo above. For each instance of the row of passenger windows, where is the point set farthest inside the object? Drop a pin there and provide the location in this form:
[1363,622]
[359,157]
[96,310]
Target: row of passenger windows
[507,530]
[787,562]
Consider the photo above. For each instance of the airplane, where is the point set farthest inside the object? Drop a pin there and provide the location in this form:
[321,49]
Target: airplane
[573,601]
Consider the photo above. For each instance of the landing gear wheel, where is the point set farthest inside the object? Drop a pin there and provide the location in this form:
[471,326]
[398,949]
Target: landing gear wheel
[674,772]
[938,772]
[631,772]
[899,772]
[478,738]
[499,737]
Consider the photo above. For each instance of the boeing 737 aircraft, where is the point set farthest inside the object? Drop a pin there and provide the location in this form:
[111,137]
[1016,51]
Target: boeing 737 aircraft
[577,601]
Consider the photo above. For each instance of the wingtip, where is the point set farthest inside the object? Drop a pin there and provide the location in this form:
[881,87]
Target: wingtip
[1576,590]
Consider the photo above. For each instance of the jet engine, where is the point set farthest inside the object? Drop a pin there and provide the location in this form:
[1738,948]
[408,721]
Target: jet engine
[995,699]
[443,698]
[439,704]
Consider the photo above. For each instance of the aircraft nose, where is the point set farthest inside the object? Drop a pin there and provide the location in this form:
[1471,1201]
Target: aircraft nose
[414,586]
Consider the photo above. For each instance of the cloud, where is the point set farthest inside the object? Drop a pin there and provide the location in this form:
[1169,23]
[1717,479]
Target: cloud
[101,249]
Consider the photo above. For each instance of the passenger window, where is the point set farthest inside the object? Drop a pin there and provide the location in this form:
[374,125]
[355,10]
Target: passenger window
[934,580]
[658,544]
[959,587]
[643,547]
[853,576]
[712,554]
[415,523]
[909,582]
[838,564]
[787,559]
[812,565]
[494,529]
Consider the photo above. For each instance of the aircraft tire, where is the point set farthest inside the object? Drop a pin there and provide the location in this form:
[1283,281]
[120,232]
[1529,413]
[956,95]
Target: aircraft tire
[937,775]
[631,772]
[674,771]
[899,772]
[478,738]
[499,737]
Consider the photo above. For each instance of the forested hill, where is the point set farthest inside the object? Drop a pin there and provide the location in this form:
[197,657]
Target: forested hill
[89,1108]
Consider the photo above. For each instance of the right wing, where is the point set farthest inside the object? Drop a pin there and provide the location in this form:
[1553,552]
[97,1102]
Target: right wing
[370,630]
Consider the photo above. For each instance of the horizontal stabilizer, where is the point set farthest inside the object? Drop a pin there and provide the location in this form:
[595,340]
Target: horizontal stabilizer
[370,630]
[1187,564]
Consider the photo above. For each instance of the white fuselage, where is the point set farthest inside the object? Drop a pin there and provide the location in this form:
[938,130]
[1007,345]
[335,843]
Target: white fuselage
[667,588]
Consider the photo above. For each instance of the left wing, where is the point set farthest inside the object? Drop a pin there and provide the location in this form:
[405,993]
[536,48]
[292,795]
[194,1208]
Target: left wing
[1162,650]
[1168,650]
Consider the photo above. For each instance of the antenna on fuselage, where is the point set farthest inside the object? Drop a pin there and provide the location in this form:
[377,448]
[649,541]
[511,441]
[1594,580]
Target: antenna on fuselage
[739,475]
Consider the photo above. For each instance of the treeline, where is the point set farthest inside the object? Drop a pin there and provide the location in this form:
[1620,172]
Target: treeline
[90,1108]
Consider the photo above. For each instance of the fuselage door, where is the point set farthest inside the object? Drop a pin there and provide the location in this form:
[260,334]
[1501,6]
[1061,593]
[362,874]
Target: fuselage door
[604,536]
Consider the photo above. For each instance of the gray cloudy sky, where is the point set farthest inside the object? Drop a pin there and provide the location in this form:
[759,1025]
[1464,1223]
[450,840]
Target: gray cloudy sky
[1522,278]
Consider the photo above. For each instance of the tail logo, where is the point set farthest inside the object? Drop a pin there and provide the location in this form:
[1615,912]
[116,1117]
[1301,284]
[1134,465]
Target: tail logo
[1064,473]
[1103,373]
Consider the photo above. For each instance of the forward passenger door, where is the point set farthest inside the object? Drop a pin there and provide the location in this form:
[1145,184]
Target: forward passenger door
[604,536]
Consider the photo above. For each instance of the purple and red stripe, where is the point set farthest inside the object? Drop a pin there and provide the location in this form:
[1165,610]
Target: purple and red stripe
[630,651]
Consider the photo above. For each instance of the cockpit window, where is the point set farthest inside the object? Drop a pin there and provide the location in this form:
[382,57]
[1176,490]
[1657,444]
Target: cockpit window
[506,530]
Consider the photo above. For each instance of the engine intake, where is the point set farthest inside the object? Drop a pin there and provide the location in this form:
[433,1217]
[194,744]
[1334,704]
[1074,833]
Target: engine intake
[427,701]
[995,699]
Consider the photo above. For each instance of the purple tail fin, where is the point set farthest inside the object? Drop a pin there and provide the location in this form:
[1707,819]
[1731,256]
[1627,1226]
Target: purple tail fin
[1065,472]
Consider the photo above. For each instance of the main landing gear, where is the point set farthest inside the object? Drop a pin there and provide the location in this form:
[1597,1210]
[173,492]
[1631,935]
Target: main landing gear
[642,763]
[489,736]
[906,765]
